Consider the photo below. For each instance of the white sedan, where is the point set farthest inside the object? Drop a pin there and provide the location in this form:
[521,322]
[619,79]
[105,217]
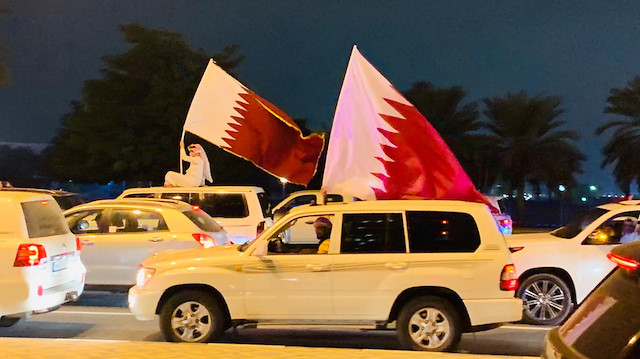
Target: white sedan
[557,270]
[40,258]
[119,234]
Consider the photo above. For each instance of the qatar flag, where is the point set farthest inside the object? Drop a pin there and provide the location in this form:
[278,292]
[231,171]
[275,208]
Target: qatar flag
[229,115]
[381,147]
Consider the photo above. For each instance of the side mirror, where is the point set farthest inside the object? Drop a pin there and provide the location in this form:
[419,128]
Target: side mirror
[82,225]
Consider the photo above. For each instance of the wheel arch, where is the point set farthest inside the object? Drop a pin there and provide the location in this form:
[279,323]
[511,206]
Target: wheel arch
[559,272]
[445,293]
[200,287]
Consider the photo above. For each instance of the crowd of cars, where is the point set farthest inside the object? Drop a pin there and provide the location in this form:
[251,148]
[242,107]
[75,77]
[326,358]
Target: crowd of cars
[206,259]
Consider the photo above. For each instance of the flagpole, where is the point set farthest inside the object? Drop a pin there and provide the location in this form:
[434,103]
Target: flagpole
[181,149]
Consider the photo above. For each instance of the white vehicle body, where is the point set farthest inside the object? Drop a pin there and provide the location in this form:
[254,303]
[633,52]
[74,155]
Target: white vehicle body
[579,261]
[47,272]
[240,210]
[350,284]
[113,253]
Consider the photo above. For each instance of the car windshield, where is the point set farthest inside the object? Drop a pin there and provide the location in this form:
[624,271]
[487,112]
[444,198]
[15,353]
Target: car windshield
[246,245]
[576,226]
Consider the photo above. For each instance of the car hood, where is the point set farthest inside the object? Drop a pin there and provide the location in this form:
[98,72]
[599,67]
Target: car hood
[532,239]
[189,257]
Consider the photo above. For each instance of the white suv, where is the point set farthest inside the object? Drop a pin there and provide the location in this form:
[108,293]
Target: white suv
[558,269]
[437,268]
[241,210]
[39,256]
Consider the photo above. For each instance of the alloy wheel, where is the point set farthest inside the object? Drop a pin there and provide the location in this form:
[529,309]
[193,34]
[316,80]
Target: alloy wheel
[429,328]
[191,321]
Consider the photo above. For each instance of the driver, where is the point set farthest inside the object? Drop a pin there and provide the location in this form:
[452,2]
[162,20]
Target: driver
[322,226]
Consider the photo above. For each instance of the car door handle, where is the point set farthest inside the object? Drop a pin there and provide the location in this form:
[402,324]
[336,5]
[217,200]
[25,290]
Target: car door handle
[155,239]
[86,242]
[396,265]
[317,267]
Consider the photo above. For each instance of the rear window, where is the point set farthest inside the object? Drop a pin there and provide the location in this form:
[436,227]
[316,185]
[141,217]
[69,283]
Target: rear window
[43,219]
[191,198]
[203,221]
[224,205]
[434,232]
[607,320]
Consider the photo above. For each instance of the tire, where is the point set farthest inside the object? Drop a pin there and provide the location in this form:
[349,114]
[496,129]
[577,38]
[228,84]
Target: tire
[203,318]
[8,322]
[546,299]
[429,324]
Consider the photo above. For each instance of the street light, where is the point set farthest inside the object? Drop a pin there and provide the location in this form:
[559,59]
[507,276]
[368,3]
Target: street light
[561,188]
[284,182]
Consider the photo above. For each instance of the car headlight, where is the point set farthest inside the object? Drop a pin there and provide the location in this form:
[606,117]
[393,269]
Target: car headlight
[143,276]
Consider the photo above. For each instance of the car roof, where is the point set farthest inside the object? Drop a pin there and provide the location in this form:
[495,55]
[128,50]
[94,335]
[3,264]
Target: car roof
[52,192]
[21,195]
[391,205]
[220,189]
[146,203]
[620,205]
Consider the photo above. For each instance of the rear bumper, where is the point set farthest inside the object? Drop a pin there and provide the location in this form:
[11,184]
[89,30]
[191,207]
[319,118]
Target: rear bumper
[489,311]
[51,299]
[143,303]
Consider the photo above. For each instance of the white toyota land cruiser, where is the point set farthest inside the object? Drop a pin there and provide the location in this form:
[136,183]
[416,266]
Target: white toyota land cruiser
[437,268]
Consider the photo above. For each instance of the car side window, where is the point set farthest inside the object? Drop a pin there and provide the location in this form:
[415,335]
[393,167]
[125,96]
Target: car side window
[621,228]
[303,235]
[191,198]
[224,205]
[133,221]
[435,232]
[87,222]
[372,233]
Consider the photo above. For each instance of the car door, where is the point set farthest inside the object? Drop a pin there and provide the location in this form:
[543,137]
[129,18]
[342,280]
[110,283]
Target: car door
[116,241]
[371,267]
[291,281]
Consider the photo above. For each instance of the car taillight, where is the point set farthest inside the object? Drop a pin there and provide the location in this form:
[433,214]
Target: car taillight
[508,279]
[195,208]
[626,263]
[30,255]
[78,244]
[505,222]
[260,228]
[205,240]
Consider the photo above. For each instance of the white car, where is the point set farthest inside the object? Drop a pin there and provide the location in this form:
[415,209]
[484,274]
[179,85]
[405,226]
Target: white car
[557,270]
[242,211]
[40,257]
[437,268]
[118,234]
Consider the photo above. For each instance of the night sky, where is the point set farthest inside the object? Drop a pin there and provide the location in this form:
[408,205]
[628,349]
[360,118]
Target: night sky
[297,52]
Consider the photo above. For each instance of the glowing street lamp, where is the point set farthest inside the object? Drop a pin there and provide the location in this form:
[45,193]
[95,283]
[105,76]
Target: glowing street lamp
[562,188]
[593,188]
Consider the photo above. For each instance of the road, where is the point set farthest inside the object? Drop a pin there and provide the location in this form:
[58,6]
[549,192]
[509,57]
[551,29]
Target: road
[102,316]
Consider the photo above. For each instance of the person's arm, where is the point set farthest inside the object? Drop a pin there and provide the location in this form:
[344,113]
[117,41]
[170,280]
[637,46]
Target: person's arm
[183,153]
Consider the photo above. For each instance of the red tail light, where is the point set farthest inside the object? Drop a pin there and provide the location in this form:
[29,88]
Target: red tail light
[508,279]
[205,240]
[260,228]
[505,222]
[78,244]
[30,255]
[626,263]
[195,208]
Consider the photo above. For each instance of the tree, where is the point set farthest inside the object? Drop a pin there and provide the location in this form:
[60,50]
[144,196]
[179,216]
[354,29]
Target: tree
[623,147]
[525,133]
[127,124]
[457,124]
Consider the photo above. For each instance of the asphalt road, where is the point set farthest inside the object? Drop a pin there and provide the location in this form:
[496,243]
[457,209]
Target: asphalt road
[104,316]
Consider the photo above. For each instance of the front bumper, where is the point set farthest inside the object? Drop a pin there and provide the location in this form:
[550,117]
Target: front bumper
[143,303]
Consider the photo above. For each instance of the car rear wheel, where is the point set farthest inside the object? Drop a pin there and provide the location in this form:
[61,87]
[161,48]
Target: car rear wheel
[191,316]
[546,299]
[428,324]
[7,322]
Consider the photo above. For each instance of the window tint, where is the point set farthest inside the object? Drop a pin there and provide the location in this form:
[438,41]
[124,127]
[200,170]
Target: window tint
[191,198]
[576,226]
[372,233]
[131,221]
[140,195]
[334,198]
[224,205]
[431,232]
[43,219]
[68,201]
[264,204]
[203,221]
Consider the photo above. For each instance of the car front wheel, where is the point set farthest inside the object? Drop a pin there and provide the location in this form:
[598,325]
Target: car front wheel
[191,316]
[546,299]
[429,324]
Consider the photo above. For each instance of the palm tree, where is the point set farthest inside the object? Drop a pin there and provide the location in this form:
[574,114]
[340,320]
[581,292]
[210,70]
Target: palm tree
[624,145]
[525,133]
[457,124]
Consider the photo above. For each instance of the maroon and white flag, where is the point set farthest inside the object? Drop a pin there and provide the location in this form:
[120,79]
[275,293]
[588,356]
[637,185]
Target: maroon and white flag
[229,115]
[381,147]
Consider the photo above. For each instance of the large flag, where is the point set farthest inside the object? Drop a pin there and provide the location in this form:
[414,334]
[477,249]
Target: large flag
[381,147]
[229,115]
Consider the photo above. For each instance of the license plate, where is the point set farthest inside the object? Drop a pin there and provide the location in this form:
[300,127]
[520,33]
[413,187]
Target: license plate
[59,262]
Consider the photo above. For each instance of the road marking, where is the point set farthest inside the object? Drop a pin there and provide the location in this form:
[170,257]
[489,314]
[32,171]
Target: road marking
[88,313]
[519,327]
